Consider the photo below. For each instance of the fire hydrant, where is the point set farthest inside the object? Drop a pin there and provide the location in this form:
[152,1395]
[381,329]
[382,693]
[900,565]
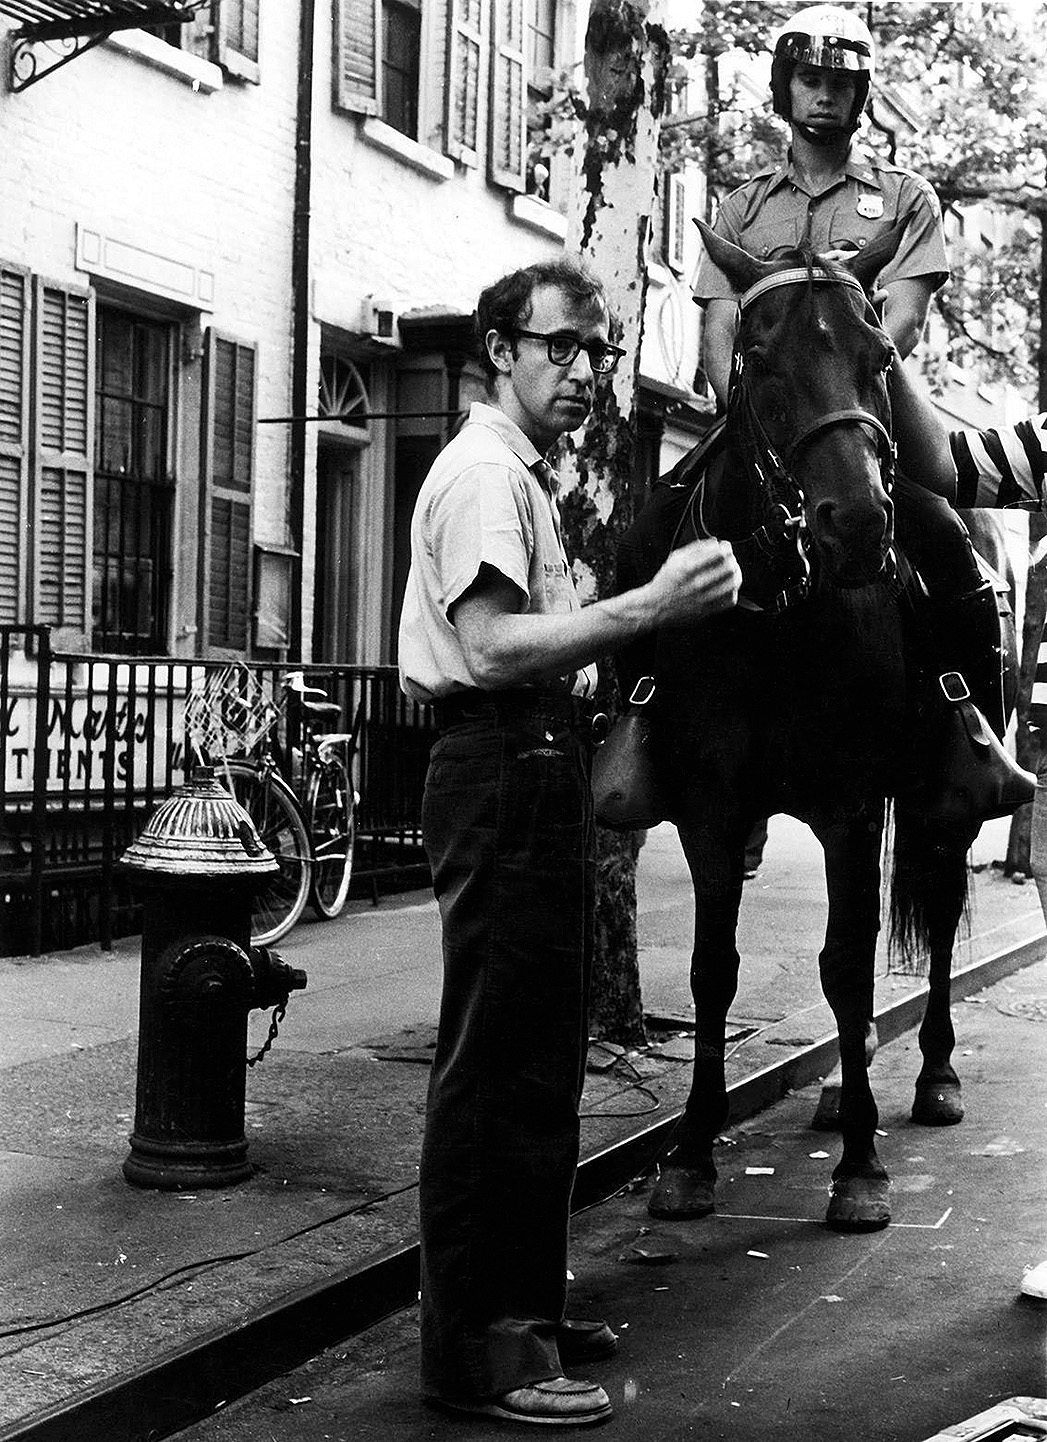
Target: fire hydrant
[199,861]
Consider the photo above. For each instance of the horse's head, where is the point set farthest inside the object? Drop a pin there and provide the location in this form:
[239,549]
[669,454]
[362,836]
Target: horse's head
[809,406]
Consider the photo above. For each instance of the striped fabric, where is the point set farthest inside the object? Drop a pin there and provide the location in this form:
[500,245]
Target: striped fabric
[1038,699]
[1006,467]
[1003,467]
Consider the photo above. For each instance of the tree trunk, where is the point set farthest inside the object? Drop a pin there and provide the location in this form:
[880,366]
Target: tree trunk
[626,56]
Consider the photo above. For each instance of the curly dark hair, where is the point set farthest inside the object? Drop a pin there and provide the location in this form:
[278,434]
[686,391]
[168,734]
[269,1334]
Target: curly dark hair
[506,304]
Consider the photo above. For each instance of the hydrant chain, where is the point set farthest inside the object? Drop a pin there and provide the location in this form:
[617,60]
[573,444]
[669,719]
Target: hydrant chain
[274,1030]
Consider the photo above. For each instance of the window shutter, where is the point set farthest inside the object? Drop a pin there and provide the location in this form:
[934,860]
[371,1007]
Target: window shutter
[675,221]
[15,292]
[62,462]
[198,34]
[507,156]
[464,56]
[228,479]
[236,30]
[356,69]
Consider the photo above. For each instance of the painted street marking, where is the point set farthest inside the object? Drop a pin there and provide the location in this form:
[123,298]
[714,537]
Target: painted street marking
[818,1221]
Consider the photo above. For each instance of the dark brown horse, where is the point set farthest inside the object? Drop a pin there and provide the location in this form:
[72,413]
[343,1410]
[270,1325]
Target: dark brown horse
[801,700]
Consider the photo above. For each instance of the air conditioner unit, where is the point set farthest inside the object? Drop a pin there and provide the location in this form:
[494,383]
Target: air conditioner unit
[379,319]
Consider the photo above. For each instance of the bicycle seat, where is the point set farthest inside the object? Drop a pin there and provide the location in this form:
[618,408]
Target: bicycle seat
[335,738]
[317,709]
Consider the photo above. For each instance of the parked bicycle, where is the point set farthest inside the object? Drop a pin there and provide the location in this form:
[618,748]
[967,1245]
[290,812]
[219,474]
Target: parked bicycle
[300,797]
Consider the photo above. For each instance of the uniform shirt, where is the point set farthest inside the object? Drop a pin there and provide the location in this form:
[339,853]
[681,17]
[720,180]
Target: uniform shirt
[485,501]
[771,213]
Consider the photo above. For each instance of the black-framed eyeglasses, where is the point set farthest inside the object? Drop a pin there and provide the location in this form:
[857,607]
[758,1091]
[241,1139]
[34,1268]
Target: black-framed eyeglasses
[562,347]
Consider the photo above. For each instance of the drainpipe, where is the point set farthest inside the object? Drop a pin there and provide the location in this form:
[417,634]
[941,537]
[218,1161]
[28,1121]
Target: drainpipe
[300,373]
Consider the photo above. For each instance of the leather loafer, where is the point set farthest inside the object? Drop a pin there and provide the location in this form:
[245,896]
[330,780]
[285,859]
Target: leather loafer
[556,1402]
[580,1341]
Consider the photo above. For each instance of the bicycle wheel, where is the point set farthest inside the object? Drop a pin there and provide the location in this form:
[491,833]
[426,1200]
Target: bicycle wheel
[271,805]
[332,827]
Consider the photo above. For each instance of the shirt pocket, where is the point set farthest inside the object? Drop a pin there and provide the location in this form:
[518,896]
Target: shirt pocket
[766,239]
[851,231]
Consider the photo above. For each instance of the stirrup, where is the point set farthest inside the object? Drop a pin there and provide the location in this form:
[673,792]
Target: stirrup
[977,778]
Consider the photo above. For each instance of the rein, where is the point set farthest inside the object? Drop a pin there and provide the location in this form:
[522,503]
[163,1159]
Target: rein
[783,536]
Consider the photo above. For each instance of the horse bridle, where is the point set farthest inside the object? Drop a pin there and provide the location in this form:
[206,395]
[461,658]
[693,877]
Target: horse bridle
[854,414]
[787,528]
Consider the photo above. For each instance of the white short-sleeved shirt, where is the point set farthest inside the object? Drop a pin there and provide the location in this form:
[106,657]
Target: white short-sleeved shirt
[481,504]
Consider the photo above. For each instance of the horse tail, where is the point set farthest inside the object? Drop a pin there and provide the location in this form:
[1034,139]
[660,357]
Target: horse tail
[929,889]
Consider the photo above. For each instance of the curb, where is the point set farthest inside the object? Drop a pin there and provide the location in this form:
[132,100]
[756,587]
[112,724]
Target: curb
[188,1385]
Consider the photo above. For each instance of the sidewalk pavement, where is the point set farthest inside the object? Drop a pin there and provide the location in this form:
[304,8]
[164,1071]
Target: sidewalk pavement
[758,1324]
[99,1279]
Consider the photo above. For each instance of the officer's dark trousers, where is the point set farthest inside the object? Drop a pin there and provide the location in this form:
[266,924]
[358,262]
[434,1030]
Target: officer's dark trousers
[936,539]
[507,824]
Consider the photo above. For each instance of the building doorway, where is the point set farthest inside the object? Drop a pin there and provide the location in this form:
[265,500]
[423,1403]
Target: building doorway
[336,587]
[344,461]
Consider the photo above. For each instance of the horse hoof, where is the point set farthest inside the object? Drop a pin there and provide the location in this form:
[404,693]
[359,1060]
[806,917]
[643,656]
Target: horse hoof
[859,1204]
[937,1104]
[827,1113]
[680,1194]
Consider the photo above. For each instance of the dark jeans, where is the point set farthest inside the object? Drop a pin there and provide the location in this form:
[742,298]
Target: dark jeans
[507,823]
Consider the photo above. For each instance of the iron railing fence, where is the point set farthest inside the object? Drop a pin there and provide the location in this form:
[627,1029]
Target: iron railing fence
[91,744]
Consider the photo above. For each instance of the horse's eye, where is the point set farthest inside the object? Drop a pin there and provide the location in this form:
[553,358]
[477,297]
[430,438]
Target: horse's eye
[756,362]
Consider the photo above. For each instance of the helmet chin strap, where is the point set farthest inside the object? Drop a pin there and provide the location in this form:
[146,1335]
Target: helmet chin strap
[824,136]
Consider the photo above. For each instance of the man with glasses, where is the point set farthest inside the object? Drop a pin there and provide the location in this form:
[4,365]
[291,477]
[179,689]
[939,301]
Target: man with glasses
[493,635]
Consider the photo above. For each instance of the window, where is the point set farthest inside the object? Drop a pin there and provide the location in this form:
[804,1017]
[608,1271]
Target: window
[238,27]
[378,60]
[465,43]
[15,373]
[401,58]
[674,220]
[47,350]
[541,50]
[541,39]
[134,493]
[507,151]
[224,31]
[226,493]
[343,390]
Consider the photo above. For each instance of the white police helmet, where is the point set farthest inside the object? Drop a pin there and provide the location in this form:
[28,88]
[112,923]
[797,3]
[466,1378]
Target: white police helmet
[831,38]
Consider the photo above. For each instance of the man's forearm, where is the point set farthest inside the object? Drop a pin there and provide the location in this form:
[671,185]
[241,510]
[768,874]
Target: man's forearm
[513,649]
[504,646]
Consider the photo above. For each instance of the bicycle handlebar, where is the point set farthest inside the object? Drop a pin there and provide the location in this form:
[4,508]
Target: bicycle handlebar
[295,681]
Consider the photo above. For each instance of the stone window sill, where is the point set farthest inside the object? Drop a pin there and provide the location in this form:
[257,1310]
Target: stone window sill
[539,215]
[199,75]
[418,157]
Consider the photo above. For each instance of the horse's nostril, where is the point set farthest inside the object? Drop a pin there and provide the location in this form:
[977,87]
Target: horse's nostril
[825,517]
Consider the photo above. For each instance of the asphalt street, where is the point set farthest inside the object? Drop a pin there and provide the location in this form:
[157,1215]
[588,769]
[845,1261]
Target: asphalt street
[758,1322]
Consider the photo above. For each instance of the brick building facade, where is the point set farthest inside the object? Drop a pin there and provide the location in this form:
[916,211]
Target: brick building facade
[206,232]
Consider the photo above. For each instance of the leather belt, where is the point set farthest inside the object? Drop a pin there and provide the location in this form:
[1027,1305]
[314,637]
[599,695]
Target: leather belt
[524,701]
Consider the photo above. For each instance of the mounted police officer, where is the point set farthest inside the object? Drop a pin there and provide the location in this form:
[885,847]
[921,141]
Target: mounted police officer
[840,198]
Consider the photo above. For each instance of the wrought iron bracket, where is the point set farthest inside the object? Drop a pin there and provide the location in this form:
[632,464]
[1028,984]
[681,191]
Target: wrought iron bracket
[38,50]
[32,59]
